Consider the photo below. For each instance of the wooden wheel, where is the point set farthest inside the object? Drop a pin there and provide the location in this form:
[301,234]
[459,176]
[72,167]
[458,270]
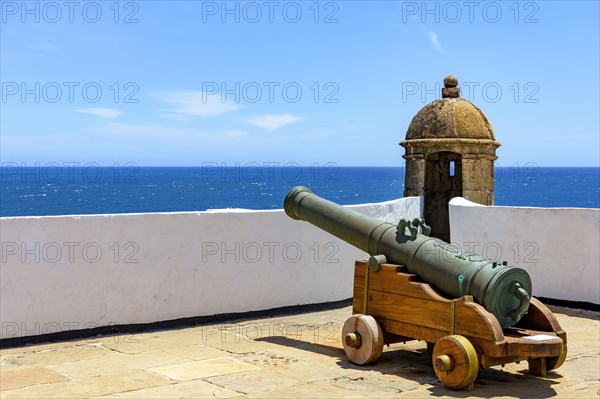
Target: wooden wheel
[553,363]
[363,339]
[455,361]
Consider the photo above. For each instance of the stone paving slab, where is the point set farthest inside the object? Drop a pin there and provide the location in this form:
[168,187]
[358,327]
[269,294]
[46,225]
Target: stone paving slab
[319,389]
[56,355]
[202,369]
[88,387]
[186,389]
[300,356]
[12,379]
[117,363]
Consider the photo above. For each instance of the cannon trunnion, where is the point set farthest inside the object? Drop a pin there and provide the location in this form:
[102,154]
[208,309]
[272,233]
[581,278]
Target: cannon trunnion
[472,312]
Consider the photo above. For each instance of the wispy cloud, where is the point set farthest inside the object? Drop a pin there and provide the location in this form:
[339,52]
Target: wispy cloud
[433,38]
[148,131]
[44,47]
[274,122]
[234,133]
[162,132]
[102,112]
[20,53]
[186,104]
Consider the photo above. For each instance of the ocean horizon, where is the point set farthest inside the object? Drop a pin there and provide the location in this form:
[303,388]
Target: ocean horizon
[94,189]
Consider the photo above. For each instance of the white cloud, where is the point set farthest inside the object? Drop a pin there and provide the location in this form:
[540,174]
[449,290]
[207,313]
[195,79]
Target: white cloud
[162,132]
[175,117]
[234,133]
[165,132]
[102,112]
[433,37]
[185,104]
[274,122]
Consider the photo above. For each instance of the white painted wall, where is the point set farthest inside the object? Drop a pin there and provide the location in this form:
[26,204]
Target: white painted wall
[559,247]
[76,272]
[164,266]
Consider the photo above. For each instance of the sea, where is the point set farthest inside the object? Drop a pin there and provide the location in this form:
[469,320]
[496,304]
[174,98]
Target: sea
[56,189]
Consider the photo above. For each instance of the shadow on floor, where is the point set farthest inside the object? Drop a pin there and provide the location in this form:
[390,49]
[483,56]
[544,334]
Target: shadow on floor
[580,313]
[415,365]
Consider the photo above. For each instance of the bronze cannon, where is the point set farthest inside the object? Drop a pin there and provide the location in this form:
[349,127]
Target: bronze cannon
[503,290]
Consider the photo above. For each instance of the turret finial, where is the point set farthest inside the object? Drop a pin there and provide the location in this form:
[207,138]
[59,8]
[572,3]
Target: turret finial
[450,90]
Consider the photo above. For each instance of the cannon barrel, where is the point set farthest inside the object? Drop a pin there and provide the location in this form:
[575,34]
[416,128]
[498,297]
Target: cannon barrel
[503,290]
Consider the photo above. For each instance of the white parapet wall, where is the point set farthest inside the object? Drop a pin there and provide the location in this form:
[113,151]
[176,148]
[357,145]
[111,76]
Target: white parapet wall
[559,247]
[61,273]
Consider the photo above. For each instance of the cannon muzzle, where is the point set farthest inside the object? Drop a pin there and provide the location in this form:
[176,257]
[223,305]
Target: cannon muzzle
[503,290]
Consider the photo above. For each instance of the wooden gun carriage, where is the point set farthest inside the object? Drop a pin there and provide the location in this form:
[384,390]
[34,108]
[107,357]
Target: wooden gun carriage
[391,305]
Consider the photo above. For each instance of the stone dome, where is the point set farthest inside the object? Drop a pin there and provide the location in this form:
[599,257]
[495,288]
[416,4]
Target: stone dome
[450,117]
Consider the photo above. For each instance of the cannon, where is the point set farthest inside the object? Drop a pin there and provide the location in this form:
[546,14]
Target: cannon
[473,312]
[501,289]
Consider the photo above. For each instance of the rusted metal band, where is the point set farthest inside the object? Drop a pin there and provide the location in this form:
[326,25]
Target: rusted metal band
[452,302]
[366,289]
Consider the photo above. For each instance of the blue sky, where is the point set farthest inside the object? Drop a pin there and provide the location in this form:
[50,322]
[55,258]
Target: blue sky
[188,82]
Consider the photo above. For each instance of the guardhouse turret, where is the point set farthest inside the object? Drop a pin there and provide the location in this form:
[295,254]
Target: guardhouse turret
[450,151]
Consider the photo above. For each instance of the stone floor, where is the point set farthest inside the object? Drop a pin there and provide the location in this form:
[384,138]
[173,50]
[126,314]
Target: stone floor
[293,356]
